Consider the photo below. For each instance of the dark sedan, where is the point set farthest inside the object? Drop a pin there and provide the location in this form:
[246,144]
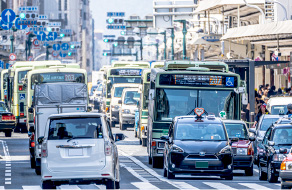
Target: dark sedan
[273,150]
[7,120]
[199,148]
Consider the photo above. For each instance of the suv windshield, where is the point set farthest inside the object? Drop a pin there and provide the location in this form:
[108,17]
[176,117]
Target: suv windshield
[283,136]
[236,130]
[118,91]
[131,98]
[200,131]
[67,128]
[267,122]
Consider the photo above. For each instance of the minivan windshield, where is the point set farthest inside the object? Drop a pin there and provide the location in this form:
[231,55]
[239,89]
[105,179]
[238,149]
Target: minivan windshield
[131,98]
[67,128]
[200,132]
[237,130]
[283,136]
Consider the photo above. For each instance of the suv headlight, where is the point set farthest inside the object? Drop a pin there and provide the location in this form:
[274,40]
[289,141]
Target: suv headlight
[226,150]
[177,149]
[241,151]
[279,157]
[126,111]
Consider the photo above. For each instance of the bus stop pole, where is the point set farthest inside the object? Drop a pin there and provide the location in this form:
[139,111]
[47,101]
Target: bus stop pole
[251,96]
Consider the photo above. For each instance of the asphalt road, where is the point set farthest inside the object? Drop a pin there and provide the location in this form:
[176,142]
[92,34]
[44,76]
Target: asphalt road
[136,173]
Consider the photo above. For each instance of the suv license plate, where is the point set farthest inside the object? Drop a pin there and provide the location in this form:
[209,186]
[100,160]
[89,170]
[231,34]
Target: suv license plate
[202,164]
[75,152]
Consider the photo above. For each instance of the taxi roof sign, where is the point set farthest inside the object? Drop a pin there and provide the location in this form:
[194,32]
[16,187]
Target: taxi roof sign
[199,111]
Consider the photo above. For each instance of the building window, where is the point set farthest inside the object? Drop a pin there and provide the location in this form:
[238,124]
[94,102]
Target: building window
[66,18]
[60,16]
[87,62]
[66,5]
[60,5]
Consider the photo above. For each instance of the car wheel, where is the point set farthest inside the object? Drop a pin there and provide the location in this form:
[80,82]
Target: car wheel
[157,162]
[8,133]
[123,127]
[285,186]
[144,142]
[249,171]
[271,176]
[149,160]
[230,177]
[110,184]
[38,170]
[140,141]
[164,172]
[170,175]
[117,184]
[262,174]
[32,162]
[48,185]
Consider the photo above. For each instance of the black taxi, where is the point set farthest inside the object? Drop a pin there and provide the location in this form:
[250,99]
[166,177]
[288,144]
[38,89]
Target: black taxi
[199,147]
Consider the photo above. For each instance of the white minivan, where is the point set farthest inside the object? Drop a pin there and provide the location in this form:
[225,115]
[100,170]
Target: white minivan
[79,148]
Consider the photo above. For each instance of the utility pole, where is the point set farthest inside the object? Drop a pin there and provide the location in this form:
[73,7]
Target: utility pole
[141,48]
[184,22]
[12,47]
[172,43]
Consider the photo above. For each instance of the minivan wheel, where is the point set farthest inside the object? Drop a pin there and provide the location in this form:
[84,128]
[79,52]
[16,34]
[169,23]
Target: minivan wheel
[48,185]
[38,170]
[110,184]
[149,160]
[170,175]
[271,176]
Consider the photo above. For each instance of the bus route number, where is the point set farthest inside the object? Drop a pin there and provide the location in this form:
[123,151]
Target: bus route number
[215,80]
[69,78]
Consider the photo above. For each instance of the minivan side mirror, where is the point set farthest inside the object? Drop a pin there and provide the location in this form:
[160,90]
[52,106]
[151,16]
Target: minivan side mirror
[120,101]
[271,143]
[30,110]
[283,150]
[40,140]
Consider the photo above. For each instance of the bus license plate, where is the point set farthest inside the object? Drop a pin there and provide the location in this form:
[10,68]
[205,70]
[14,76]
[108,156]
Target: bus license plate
[202,164]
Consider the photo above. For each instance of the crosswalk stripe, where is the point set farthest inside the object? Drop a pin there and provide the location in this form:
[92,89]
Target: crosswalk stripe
[278,184]
[33,187]
[2,187]
[144,185]
[254,186]
[256,170]
[184,185]
[218,185]
[68,187]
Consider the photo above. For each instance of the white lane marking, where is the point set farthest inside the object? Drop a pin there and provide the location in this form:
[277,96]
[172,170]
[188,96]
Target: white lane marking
[278,184]
[8,182]
[146,168]
[8,162]
[8,171]
[134,173]
[8,174]
[256,170]
[254,186]
[144,185]
[69,187]
[2,187]
[7,179]
[100,186]
[218,185]
[33,187]
[184,185]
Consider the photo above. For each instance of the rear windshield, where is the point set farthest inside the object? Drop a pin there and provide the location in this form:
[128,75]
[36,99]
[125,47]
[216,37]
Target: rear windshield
[236,130]
[283,136]
[267,122]
[282,109]
[67,128]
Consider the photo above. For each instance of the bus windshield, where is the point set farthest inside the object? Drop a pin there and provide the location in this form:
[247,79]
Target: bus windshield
[21,76]
[176,102]
[56,77]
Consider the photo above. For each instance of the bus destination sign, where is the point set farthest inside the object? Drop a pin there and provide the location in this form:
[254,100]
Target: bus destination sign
[126,72]
[199,80]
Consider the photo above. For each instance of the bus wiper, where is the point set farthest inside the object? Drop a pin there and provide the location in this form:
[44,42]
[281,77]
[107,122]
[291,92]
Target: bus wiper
[77,138]
[284,144]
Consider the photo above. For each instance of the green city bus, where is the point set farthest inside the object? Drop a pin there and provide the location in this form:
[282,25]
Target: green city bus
[143,106]
[182,86]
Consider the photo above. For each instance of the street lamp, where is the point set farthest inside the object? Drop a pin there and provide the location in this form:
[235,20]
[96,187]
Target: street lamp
[184,22]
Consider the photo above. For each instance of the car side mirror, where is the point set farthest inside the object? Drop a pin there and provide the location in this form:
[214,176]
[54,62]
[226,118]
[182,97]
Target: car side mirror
[251,138]
[271,143]
[164,137]
[30,110]
[40,140]
[283,150]
[119,136]
[120,101]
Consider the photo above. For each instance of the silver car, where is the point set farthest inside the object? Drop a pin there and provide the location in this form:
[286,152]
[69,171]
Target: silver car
[79,148]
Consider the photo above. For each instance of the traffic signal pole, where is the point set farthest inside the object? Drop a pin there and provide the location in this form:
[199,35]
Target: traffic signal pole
[12,47]
[141,48]
[184,31]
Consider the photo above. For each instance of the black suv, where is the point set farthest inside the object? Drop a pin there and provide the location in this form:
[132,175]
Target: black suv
[272,151]
[198,147]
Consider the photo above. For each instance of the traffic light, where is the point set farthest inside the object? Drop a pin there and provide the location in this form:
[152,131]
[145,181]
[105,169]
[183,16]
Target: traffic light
[108,40]
[106,54]
[123,33]
[22,15]
[110,20]
[115,44]
[69,53]
[30,18]
[105,40]
[62,35]
[72,46]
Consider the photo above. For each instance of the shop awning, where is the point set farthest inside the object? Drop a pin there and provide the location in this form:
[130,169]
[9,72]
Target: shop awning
[281,29]
[209,5]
